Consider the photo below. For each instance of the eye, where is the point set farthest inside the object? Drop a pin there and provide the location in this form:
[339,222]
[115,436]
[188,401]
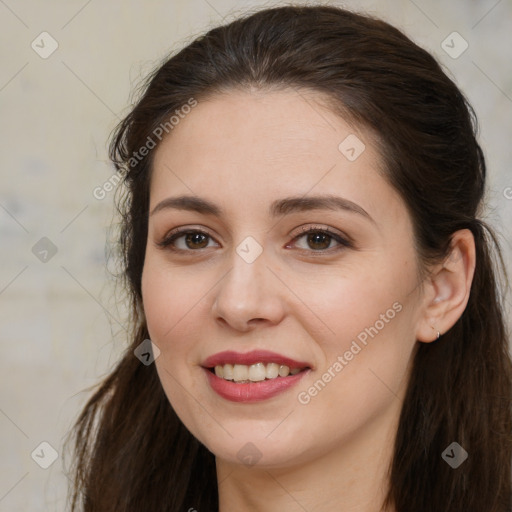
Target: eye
[320,240]
[192,239]
[317,239]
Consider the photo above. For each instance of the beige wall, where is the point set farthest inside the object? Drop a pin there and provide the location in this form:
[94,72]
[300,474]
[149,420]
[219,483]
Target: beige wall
[57,317]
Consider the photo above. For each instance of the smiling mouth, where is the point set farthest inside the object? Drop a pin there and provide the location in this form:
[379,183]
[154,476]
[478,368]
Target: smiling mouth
[243,374]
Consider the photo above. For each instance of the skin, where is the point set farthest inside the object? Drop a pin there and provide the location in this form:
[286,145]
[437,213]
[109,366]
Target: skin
[242,151]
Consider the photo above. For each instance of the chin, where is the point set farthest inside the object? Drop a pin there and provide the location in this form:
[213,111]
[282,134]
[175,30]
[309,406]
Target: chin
[254,453]
[248,448]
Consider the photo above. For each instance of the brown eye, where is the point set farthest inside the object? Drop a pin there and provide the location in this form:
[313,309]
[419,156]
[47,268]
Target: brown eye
[320,240]
[192,240]
[196,240]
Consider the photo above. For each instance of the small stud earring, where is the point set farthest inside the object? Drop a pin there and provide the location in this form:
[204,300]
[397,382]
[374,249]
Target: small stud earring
[438,335]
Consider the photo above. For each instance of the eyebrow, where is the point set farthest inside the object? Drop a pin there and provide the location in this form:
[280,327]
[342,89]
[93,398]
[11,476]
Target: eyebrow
[277,208]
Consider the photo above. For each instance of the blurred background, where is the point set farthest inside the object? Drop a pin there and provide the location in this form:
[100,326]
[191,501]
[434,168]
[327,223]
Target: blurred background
[68,69]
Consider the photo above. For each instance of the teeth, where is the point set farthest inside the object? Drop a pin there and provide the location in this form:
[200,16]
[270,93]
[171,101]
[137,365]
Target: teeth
[227,371]
[240,372]
[272,371]
[255,372]
[284,371]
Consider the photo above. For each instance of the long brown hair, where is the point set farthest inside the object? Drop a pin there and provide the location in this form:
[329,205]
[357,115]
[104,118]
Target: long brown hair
[132,452]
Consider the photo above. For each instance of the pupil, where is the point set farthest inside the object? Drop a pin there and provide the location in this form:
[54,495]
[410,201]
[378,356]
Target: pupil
[194,239]
[313,238]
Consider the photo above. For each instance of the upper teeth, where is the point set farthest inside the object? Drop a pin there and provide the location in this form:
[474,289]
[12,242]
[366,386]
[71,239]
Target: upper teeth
[255,372]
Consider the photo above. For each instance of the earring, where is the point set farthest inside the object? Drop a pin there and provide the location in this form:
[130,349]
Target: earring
[438,335]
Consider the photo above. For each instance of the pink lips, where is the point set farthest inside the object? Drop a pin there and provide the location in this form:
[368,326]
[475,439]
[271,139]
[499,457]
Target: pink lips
[252,391]
[253,357]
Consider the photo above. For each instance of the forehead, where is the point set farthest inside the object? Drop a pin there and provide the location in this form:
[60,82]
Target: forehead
[248,145]
[287,122]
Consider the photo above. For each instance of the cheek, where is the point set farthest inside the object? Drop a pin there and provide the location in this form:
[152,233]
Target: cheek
[357,302]
[370,336]
[172,303]
[169,296]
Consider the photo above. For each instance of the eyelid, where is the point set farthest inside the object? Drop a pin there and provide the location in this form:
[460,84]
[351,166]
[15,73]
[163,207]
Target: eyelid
[319,227]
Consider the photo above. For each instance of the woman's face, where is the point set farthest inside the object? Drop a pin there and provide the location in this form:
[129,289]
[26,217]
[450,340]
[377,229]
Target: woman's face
[299,257]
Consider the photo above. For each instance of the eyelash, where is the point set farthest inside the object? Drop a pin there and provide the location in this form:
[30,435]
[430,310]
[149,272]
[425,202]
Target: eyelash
[169,239]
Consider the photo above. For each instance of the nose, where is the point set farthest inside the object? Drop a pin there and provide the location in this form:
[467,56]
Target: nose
[249,295]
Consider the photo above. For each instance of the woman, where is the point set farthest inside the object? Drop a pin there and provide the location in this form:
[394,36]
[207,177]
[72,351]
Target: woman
[303,248]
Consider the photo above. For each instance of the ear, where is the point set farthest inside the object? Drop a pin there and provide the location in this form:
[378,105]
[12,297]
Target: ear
[446,291]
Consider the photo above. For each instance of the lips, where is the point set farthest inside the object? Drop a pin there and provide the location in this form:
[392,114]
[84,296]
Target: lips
[253,357]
